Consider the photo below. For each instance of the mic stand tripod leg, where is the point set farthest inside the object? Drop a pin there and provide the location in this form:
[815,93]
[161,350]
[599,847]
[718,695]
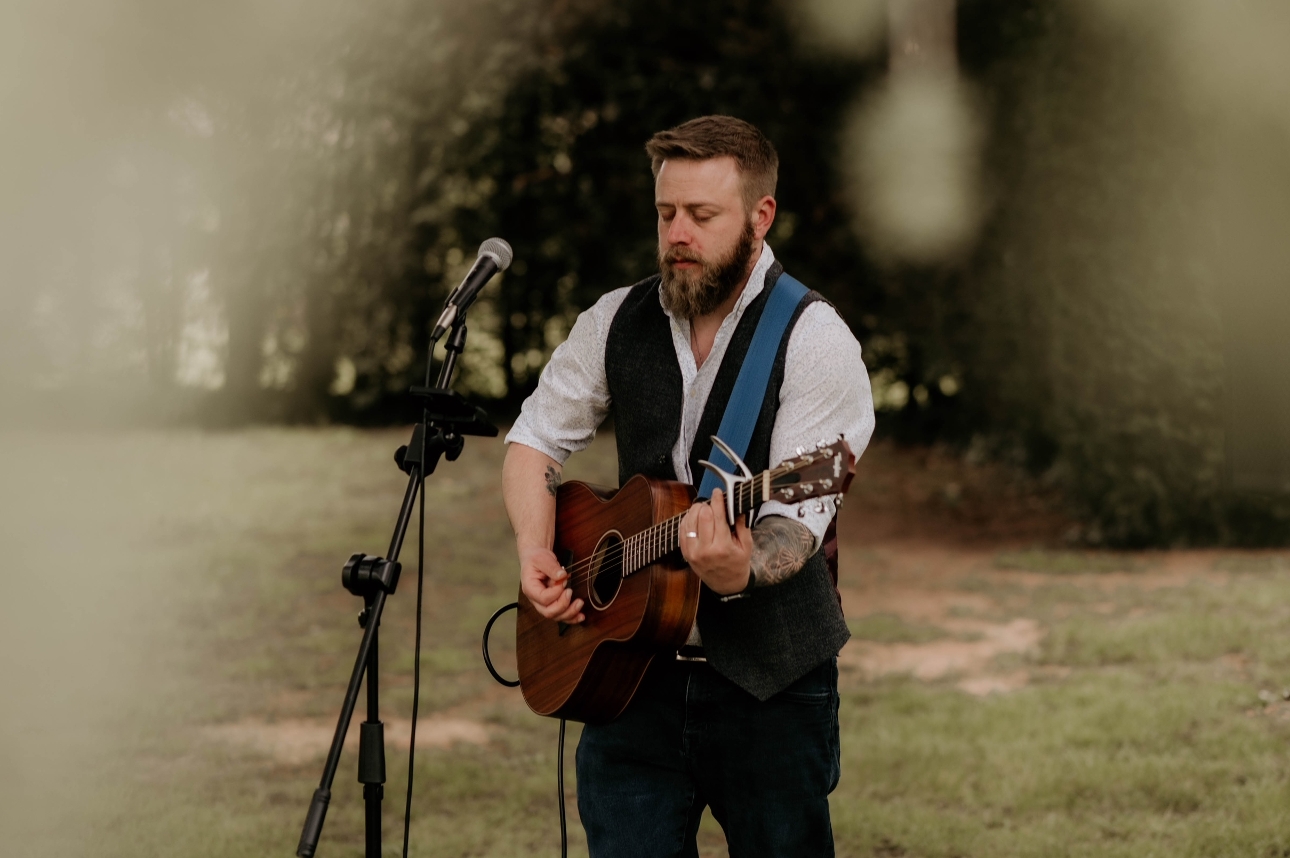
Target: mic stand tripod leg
[439,433]
[374,578]
[371,747]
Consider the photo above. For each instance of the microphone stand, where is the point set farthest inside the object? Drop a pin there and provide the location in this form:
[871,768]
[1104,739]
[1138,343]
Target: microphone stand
[446,419]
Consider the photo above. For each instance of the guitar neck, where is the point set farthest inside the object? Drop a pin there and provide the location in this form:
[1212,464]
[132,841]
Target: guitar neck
[656,542]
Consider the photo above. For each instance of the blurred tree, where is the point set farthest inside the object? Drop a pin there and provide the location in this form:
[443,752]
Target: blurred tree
[563,176]
[1095,336]
[260,207]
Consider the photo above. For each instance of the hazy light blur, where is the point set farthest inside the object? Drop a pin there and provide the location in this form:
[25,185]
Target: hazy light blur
[158,164]
[911,150]
[913,153]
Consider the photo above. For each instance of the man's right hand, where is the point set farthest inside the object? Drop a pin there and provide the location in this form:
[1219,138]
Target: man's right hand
[545,582]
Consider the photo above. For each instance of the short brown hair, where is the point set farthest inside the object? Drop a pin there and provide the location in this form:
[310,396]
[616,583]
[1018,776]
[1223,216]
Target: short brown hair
[717,136]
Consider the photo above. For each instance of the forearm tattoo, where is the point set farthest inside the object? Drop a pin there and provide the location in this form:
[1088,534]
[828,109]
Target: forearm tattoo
[780,549]
[553,480]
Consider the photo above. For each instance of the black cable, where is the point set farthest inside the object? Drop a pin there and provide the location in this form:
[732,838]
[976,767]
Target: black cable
[416,658]
[559,763]
[564,831]
[488,661]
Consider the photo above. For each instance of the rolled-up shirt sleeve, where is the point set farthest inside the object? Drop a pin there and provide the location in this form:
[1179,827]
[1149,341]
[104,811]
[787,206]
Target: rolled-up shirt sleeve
[825,394]
[560,418]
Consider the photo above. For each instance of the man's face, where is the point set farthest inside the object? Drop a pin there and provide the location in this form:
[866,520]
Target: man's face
[705,237]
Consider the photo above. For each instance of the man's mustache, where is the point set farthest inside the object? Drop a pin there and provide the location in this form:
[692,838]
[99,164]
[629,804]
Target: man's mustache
[674,256]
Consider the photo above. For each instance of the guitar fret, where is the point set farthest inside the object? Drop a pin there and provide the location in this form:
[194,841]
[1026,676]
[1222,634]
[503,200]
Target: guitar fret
[658,540]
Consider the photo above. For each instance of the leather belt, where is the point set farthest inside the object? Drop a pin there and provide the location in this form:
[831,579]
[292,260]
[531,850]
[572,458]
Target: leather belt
[690,653]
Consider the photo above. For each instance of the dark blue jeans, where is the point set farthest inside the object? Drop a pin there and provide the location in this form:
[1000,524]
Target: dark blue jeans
[692,739]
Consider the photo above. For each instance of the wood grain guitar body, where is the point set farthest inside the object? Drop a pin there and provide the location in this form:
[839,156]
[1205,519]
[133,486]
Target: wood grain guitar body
[589,671]
[622,552]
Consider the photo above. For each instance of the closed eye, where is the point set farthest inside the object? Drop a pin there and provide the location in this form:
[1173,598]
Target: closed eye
[703,214]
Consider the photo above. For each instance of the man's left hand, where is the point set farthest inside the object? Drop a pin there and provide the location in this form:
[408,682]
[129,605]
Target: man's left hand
[721,557]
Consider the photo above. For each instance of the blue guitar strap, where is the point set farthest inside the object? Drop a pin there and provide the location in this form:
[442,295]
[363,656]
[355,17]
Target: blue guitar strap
[744,405]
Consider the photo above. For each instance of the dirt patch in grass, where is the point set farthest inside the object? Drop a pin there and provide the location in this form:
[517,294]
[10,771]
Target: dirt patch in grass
[296,741]
[955,572]
[971,660]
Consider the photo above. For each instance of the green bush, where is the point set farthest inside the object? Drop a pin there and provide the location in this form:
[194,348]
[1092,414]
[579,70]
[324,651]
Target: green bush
[1098,294]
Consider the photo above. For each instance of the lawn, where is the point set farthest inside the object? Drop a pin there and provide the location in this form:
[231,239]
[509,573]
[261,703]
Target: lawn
[176,641]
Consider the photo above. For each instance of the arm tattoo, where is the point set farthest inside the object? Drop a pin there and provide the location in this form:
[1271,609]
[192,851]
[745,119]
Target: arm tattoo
[552,480]
[780,549]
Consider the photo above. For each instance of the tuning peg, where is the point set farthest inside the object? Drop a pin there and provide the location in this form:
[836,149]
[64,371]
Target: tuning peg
[819,505]
[801,512]
[837,501]
[799,450]
[821,444]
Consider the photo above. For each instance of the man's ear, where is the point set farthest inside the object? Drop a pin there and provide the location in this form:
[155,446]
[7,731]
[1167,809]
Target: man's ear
[763,215]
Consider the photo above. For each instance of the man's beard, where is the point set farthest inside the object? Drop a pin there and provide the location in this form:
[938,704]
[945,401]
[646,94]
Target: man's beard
[690,294]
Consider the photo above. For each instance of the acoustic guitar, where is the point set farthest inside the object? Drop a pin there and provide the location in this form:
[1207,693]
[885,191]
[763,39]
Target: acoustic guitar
[622,552]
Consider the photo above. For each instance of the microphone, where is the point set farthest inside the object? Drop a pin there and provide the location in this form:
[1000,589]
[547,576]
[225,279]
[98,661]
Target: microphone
[494,255]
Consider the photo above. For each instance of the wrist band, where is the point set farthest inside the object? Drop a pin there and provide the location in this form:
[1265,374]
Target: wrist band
[746,591]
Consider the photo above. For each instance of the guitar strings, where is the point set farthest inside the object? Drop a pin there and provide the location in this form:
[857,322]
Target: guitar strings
[651,534]
[745,492]
[643,539]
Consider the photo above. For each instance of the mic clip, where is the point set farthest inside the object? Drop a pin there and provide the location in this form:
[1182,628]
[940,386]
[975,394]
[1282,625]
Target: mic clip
[446,318]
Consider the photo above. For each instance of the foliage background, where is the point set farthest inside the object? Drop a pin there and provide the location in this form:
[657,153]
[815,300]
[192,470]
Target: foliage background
[252,212]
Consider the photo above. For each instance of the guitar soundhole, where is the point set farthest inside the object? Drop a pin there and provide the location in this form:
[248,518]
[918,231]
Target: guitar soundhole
[607,566]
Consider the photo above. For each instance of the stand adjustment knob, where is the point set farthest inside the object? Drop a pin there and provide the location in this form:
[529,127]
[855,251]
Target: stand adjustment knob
[365,575]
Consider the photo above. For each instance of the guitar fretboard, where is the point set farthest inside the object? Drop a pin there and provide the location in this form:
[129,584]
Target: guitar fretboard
[657,541]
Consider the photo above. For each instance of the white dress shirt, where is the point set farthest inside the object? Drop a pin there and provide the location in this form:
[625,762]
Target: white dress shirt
[825,392]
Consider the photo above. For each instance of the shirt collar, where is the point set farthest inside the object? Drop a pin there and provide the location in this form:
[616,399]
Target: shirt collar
[756,282]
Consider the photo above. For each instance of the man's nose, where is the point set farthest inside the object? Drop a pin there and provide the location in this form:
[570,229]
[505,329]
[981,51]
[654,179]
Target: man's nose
[679,232]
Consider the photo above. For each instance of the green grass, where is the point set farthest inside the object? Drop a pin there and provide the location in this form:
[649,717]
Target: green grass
[1112,762]
[1245,563]
[1145,735]
[1067,562]
[889,628]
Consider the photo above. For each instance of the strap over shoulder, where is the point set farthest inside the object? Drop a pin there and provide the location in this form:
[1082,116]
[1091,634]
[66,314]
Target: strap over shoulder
[740,417]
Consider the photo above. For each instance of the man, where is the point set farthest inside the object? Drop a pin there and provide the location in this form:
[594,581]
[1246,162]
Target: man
[745,720]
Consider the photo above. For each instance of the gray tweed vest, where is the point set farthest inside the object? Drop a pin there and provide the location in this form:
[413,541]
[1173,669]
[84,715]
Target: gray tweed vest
[767,641]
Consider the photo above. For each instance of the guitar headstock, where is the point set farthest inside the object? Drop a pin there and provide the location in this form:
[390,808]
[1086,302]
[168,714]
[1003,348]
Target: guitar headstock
[826,470]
